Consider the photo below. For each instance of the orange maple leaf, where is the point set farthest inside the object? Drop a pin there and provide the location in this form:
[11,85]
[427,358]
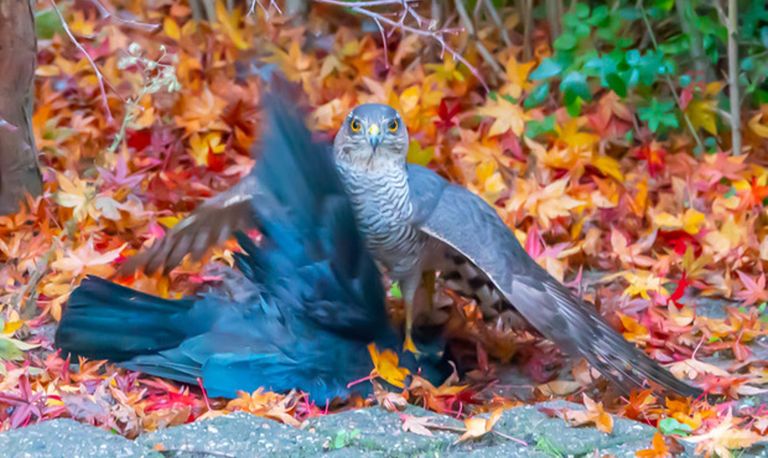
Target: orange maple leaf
[386,365]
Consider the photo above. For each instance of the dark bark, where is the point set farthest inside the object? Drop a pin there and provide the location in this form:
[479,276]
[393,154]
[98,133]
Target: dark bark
[19,169]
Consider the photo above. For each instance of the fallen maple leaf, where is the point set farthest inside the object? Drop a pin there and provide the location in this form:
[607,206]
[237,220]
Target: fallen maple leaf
[692,368]
[658,448]
[386,364]
[416,425]
[507,115]
[725,437]
[593,413]
[477,427]
[754,291]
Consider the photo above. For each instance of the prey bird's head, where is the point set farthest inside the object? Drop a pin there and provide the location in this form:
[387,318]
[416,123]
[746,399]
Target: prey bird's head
[372,136]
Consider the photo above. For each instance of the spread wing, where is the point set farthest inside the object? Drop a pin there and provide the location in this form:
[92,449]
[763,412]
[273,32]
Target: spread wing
[470,226]
[213,222]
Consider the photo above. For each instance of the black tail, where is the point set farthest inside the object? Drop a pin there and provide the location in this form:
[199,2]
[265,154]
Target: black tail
[104,320]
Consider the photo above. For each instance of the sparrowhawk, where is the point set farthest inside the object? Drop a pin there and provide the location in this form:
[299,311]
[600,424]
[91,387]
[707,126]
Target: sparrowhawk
[413,221]
[299,313]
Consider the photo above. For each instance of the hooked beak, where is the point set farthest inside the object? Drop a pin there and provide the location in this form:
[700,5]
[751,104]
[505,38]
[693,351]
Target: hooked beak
[374,136]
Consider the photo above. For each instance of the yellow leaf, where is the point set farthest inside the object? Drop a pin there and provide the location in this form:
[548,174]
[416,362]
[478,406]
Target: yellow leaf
[47,70]
[692,221]
[552,202]
[409,99]
[702,114]
[724,437]
[168,221]
[202,146]
[419,155]
[12,326]
[508,116]
[171,28]
[386,366]
[667,221]
[608,166]
[634,331]
[517,77]
[477,427]
[593,414]
[570,133]
[758,128]
[484,170]
[230,24]
[559,387]
[642,281]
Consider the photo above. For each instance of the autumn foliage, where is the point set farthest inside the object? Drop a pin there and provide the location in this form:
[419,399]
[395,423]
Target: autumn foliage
[670,242]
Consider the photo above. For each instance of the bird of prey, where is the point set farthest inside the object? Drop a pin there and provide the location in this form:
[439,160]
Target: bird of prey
[414,221]
[299,313]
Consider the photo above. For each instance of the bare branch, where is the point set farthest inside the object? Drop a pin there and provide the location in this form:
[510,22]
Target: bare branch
[496,18]
[668,79]
[96,70]
[487,56]
[733,77]
[423,27]
[265,9]
[106,14]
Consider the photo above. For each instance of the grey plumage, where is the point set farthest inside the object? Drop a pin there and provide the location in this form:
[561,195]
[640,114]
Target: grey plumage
[415,221]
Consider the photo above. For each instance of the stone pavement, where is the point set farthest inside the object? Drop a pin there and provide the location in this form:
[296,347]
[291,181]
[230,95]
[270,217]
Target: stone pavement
[365,432]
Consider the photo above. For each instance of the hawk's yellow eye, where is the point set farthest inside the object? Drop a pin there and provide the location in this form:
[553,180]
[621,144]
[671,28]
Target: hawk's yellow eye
[393,125]
[355,125]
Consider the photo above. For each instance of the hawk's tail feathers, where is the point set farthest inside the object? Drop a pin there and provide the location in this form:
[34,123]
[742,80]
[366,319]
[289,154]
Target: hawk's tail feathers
[607,350]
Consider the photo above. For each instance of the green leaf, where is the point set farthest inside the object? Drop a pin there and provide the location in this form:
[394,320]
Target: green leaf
[574,86]
[13,349]
[394,290]
[537,96]
[565,42]
[546,69]
[574,107]
[669,426]
[582,10]
[599,16]
[47,24]
[535,128]
[664,5]
[659,115]
[616,83]
[581,30]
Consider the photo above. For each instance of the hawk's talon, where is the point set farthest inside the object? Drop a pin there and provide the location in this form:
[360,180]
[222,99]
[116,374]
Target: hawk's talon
[408,345]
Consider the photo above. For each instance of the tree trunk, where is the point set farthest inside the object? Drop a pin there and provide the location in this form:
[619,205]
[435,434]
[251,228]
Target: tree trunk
[19,169]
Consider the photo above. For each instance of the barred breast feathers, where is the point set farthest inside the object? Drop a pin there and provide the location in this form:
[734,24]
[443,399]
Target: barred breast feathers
[382,205]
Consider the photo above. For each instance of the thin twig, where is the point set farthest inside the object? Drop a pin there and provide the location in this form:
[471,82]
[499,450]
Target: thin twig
[668,79]
[96,70]
[106,14]
[265,9]
[497,20]
[423,28]
[467,22]
[697,50]
[526,8]
[17,303]
[456,429]
[733,77]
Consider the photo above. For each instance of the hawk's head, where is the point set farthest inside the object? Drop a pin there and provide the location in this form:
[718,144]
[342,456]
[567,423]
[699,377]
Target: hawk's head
[372,136]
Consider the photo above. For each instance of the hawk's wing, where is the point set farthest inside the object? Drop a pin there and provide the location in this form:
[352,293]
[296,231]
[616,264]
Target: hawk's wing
[469,225]
[213,222]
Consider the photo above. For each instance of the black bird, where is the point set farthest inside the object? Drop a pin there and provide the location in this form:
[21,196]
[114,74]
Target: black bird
[299,313]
